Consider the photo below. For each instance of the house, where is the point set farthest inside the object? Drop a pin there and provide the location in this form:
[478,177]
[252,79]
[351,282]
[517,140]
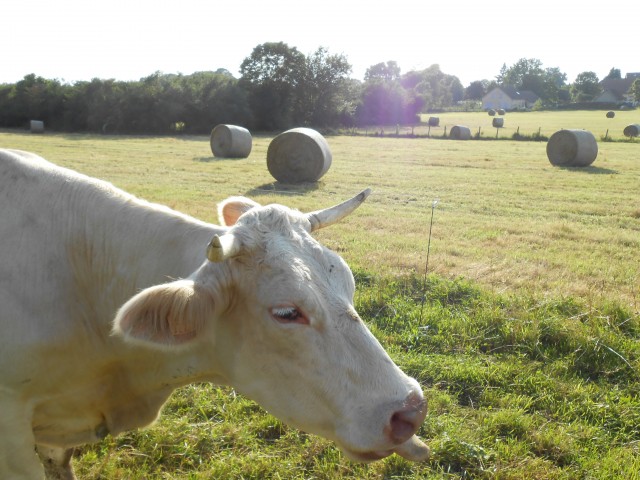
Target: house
[506,97]
[616,90]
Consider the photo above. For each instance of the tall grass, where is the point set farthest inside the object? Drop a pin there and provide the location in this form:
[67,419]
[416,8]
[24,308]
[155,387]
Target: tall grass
[525,334]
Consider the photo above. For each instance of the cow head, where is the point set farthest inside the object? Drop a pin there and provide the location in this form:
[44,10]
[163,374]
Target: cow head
[273,310]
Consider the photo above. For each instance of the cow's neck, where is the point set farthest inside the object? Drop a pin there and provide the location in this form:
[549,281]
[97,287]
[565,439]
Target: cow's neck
[145,380]
[116,248]
[99,247]
[114,392]
[119,247]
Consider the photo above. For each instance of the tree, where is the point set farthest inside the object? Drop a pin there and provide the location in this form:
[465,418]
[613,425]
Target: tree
[384,72]
[586,87]
[554,83]
[385,103]
[438,89]
[93,106]
[634,90]
[523,71]
[287,88]
[476,90]
[6,105]
[223,71]
[389,98]
[321,94]
[500,78]
[351,101]
[528,74]
[613,73]
[270,75]
[533,82]
[212,98]
[33,98]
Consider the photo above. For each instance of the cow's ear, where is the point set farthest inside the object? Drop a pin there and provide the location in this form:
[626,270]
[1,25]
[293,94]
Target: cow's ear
[166,315]
[230,209]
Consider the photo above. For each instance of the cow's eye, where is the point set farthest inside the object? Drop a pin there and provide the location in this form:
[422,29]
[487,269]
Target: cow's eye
[288,314]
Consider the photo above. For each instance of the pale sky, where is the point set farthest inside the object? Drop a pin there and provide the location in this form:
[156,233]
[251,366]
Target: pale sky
[75,40]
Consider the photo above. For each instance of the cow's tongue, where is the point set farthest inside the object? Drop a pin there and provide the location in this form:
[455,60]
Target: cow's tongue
[414,450]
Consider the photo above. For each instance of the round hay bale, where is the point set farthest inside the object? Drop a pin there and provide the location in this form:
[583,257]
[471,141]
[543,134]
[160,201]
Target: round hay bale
[501,111]
[491,112]
[572,148]
[460,132]
[36,126]
[298,155]
[434,121]
[230,141]
[498,122]
[611,114]
[632,130]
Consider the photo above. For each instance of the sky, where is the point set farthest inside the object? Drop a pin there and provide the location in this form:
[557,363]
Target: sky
[74,40]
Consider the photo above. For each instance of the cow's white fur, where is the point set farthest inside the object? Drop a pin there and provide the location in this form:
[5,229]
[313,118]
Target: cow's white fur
[77,253]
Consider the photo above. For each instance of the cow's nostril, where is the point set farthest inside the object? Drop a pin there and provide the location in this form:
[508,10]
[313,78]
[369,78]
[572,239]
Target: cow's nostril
[405,422]
[402,427]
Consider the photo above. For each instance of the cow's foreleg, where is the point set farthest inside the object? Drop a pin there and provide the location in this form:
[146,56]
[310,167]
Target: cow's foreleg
[17,458]
[57,462]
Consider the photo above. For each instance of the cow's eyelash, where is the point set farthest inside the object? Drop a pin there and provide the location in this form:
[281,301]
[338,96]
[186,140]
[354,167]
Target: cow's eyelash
[285,311]
[288,315]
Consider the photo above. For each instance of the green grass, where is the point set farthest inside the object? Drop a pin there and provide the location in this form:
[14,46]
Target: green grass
[532,124]
[524,334]
[506,218]
[517,388]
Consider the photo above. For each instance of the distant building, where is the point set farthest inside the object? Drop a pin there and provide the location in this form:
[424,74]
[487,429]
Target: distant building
[507,97]
[616,90]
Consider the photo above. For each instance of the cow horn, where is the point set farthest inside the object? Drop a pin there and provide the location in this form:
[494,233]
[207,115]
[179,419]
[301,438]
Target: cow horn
[222,247]
[323,218]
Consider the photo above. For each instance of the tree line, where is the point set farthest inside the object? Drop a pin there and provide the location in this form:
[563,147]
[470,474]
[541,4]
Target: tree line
[279,88]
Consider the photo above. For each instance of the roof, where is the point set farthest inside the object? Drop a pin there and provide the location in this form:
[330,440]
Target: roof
[618,86]
[526,95]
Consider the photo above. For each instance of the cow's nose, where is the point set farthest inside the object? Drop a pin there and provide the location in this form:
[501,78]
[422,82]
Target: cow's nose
[405,422]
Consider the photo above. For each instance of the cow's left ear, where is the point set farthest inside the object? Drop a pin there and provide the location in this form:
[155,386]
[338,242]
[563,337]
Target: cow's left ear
[166,315]
[230,209]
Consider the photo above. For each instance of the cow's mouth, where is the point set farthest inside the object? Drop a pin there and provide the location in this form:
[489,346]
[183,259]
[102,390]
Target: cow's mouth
[366,457]
[414,450]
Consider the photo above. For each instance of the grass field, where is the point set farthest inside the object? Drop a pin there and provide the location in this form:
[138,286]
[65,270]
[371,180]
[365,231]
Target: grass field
[543,123]
[527,124]
[524,333]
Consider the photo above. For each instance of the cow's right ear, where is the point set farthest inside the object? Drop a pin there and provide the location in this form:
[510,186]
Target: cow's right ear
[168,315]
[230,209]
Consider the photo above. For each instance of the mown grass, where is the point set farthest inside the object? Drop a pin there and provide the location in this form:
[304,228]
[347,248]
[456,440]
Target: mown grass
[524,334]
[506,217]
[533,125]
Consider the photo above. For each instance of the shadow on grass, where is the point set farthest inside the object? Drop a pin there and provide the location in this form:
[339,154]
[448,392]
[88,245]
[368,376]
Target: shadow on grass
[212,158]
[591,170]
[285,188]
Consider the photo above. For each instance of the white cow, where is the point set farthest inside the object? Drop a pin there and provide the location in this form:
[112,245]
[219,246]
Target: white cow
[108,303]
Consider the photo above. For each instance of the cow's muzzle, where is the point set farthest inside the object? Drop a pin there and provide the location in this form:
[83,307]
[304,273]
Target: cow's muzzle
[400,433]
[406,421]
